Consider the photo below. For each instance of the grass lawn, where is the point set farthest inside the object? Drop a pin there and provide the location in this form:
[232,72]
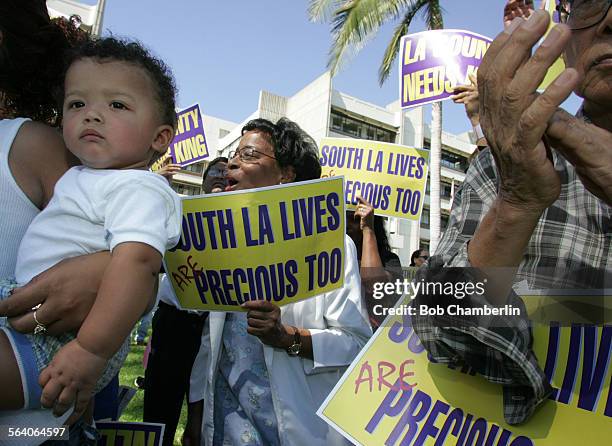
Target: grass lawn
[133,412]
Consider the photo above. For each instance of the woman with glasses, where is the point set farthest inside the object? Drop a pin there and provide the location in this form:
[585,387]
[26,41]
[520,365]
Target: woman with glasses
[537,203]
[269,370]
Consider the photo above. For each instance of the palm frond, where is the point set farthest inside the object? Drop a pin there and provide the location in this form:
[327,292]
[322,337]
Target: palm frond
[321,11]
[356,22]
[433,15]
[394,45]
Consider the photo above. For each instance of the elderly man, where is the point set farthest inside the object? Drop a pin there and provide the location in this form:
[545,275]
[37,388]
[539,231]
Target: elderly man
[536,204]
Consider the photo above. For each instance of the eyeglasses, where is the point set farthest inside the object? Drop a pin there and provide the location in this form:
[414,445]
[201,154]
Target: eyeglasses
[423,257]
[216,172]
[582,14]
[248,155]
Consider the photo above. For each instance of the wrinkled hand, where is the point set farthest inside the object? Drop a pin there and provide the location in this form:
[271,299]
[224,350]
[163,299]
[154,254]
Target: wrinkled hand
[70,378]
[468,96]
[517,8]
[588,148]
[365,213]
[168,170]
[514,118]
[66,291]
[264,321]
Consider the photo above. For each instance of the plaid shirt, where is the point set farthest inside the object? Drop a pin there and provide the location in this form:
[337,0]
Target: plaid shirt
[570,248]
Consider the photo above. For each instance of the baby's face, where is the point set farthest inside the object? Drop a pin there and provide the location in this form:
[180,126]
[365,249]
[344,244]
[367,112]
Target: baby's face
[111,118]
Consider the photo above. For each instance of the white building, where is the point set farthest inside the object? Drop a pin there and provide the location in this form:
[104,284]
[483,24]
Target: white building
[90,15]
[322,111]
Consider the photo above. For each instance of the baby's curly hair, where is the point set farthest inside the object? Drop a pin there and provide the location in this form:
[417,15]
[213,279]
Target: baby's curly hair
[31,58]
[110,49]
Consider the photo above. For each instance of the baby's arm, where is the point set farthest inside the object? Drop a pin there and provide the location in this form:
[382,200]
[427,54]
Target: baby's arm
[128,282]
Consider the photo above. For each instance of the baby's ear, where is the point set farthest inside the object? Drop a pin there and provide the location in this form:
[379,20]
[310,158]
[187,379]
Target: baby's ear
[163,138]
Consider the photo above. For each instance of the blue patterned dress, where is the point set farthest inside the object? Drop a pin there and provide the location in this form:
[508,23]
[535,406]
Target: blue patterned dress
[243,408]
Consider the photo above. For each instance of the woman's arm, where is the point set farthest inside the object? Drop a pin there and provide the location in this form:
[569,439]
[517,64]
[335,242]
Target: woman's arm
[66,292]
[38,158]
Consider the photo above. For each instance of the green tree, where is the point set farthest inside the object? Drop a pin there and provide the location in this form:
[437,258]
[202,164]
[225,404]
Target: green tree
[354,22]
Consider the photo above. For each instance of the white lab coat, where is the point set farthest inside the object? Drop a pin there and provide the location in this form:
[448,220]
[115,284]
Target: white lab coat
[339,328]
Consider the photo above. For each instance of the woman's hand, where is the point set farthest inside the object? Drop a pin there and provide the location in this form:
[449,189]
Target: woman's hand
[70,378]
[66,292]
[264,321]
[514,117]
[365,213]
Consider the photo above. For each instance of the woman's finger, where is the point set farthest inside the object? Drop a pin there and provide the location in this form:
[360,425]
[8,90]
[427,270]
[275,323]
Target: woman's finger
[26,323]
[258,323]
[23,299]
[263,315]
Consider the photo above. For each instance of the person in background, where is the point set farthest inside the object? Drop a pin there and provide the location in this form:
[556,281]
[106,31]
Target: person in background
[175,341]
[377,263]
[419,257]
[213,179]
[268,370]
[468,96]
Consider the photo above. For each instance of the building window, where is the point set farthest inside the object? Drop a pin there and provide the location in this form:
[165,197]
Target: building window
[445,189]
[454,161]
[425,218]
[444,221]
[346,125]
[195,168]
[186,189]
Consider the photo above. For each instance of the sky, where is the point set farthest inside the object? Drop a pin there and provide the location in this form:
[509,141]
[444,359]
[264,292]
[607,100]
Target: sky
[222,53]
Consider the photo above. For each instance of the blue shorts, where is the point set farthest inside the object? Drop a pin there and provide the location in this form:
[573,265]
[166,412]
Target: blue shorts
[34,352]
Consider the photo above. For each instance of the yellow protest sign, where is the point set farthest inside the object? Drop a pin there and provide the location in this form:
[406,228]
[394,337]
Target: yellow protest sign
[393,395]
[559,65]
[391,177]
[116,433]
[281,244]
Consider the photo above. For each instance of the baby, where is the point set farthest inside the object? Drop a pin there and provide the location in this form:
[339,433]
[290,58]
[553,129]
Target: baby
[118,117]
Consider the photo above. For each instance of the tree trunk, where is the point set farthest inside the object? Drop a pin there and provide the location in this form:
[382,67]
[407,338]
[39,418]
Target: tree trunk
[434,175]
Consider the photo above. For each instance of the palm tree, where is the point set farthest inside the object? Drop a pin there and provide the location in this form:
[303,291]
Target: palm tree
[353,23]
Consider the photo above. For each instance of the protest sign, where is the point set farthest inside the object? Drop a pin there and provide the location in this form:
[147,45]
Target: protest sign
[559,65]
[433,63]
[189,143]
[282,244]
[392,178]
[401,398]
[116,433]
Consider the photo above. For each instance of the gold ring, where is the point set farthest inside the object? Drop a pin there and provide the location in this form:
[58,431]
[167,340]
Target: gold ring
[40,328]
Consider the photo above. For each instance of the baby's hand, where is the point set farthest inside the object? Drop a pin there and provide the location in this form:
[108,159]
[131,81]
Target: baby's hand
[71,376]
